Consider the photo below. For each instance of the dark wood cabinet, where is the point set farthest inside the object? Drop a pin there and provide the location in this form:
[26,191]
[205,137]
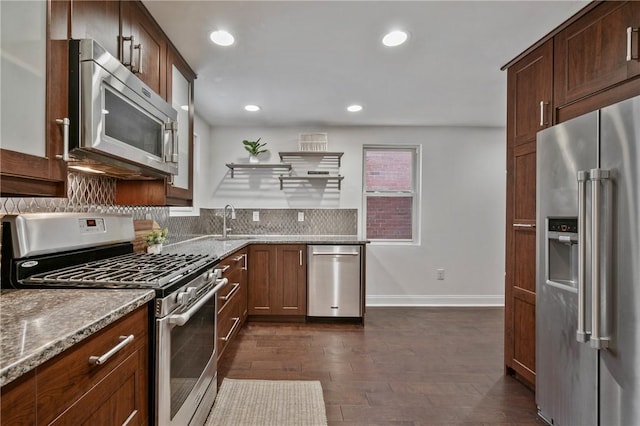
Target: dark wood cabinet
[22,172]
[68,390]
[232,298]
[277,280]
[530,94]
[98,20]
[591,54]
[530,109]
[18,401]
[147,51]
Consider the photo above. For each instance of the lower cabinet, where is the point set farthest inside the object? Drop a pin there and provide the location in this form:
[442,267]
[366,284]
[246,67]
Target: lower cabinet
[70,389]
[232,299]
[277,280]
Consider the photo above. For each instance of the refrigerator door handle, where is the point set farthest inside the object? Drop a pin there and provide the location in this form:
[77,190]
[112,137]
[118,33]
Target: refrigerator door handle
[597,340]
[581,333]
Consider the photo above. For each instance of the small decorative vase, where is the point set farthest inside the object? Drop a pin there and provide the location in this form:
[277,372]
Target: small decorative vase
[154,248]
[253,159]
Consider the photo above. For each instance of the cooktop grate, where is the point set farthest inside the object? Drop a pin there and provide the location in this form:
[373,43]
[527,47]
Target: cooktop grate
[131,270]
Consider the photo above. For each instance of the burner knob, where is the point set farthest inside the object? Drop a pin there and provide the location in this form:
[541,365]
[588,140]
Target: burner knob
[183,298]
[193,292]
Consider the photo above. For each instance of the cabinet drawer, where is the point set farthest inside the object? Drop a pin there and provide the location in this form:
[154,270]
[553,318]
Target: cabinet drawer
[230,264]
[69,376]
[229,291]
[228,324]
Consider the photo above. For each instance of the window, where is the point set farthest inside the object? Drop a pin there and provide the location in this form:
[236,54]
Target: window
[390,193]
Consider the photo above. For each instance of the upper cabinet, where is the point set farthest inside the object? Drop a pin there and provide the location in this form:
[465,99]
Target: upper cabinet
[529,88]
[33,70]
[180,79]
[98,20]
[127,31]
[596,59]
[144,46]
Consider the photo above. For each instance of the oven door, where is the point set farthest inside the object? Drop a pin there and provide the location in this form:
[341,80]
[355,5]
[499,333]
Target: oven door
[186,364]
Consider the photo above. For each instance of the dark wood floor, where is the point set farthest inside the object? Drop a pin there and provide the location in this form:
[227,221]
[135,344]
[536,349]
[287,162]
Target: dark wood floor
[407,366]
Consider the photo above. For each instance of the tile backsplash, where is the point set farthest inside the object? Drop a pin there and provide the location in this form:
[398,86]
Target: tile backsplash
[97,194]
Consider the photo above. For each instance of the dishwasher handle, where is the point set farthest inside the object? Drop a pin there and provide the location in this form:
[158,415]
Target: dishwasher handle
[334,253]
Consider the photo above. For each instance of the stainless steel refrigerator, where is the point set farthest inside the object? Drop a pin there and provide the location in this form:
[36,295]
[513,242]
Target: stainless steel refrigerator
[588,269]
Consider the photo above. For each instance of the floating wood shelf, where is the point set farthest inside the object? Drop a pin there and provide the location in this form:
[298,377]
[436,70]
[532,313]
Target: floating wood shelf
[338,179]
[336,155]
[233,166]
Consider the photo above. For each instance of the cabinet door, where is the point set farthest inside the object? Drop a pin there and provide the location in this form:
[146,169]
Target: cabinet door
[72,391]
[529,109]
[262,279]
[18,400]
[180,81]
[98,20]
[591,54]
[520,289]
[33,65]
[529,88]
[291,291]
[149,46]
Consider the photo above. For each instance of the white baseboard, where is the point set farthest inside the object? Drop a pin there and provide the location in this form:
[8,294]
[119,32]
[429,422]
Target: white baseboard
[440,300]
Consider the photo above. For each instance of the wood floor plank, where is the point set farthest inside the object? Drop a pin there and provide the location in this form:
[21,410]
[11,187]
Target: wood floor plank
[406,367]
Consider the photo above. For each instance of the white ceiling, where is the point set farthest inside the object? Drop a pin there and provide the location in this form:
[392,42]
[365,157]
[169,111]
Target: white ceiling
[304,62]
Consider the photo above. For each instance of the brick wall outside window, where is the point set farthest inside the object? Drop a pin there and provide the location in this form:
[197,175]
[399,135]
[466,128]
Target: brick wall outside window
[389,193]
[390,218]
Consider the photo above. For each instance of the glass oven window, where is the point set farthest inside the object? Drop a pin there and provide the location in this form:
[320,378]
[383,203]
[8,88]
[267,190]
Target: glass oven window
[192,346]
[130,125]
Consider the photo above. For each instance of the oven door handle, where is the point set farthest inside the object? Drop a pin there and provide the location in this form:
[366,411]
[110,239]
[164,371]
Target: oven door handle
[181,319]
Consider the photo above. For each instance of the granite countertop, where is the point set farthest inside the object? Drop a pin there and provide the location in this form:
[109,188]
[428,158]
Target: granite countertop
[212,244]
[39,324]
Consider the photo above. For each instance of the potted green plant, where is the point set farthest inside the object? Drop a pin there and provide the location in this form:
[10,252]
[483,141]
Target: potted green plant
[155,239]
[254,148]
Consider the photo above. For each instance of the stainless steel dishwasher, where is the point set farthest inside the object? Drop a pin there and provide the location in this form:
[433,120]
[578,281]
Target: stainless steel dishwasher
[334,281]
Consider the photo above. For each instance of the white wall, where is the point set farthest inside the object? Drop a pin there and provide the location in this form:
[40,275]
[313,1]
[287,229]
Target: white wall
[462,206]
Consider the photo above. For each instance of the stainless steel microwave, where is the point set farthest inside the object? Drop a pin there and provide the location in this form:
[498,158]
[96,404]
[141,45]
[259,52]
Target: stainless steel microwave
[117,125]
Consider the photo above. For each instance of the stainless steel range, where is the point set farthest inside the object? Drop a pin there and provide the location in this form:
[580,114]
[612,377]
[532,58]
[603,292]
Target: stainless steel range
[58,250]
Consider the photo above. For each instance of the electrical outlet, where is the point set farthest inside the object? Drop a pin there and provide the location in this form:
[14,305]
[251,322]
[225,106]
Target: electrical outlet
[440,274]
[300,216]
[256,216]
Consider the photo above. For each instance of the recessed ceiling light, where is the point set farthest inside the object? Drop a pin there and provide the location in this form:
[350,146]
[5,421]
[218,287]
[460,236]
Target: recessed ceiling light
[222,38]
[394,38]
[252,108]
[354,108]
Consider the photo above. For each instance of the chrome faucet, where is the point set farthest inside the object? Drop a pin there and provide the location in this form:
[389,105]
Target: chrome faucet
[225,230]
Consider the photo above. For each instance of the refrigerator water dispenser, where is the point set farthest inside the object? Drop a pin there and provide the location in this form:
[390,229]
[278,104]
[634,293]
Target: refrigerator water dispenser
[562,240]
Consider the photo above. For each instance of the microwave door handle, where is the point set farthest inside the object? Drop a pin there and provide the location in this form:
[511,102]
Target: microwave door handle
[172,129]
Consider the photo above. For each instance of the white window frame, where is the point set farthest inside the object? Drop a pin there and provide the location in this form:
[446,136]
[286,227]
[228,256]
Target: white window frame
[414,193]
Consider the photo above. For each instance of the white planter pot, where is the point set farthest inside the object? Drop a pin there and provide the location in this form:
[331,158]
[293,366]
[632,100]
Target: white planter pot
[253,159]
[154,248]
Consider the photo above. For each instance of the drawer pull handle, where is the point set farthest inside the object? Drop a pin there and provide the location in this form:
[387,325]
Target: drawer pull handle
[236,321]
[238,258]
[524,225]
[235,288]
[99,360]
[630,55]
[225,268]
